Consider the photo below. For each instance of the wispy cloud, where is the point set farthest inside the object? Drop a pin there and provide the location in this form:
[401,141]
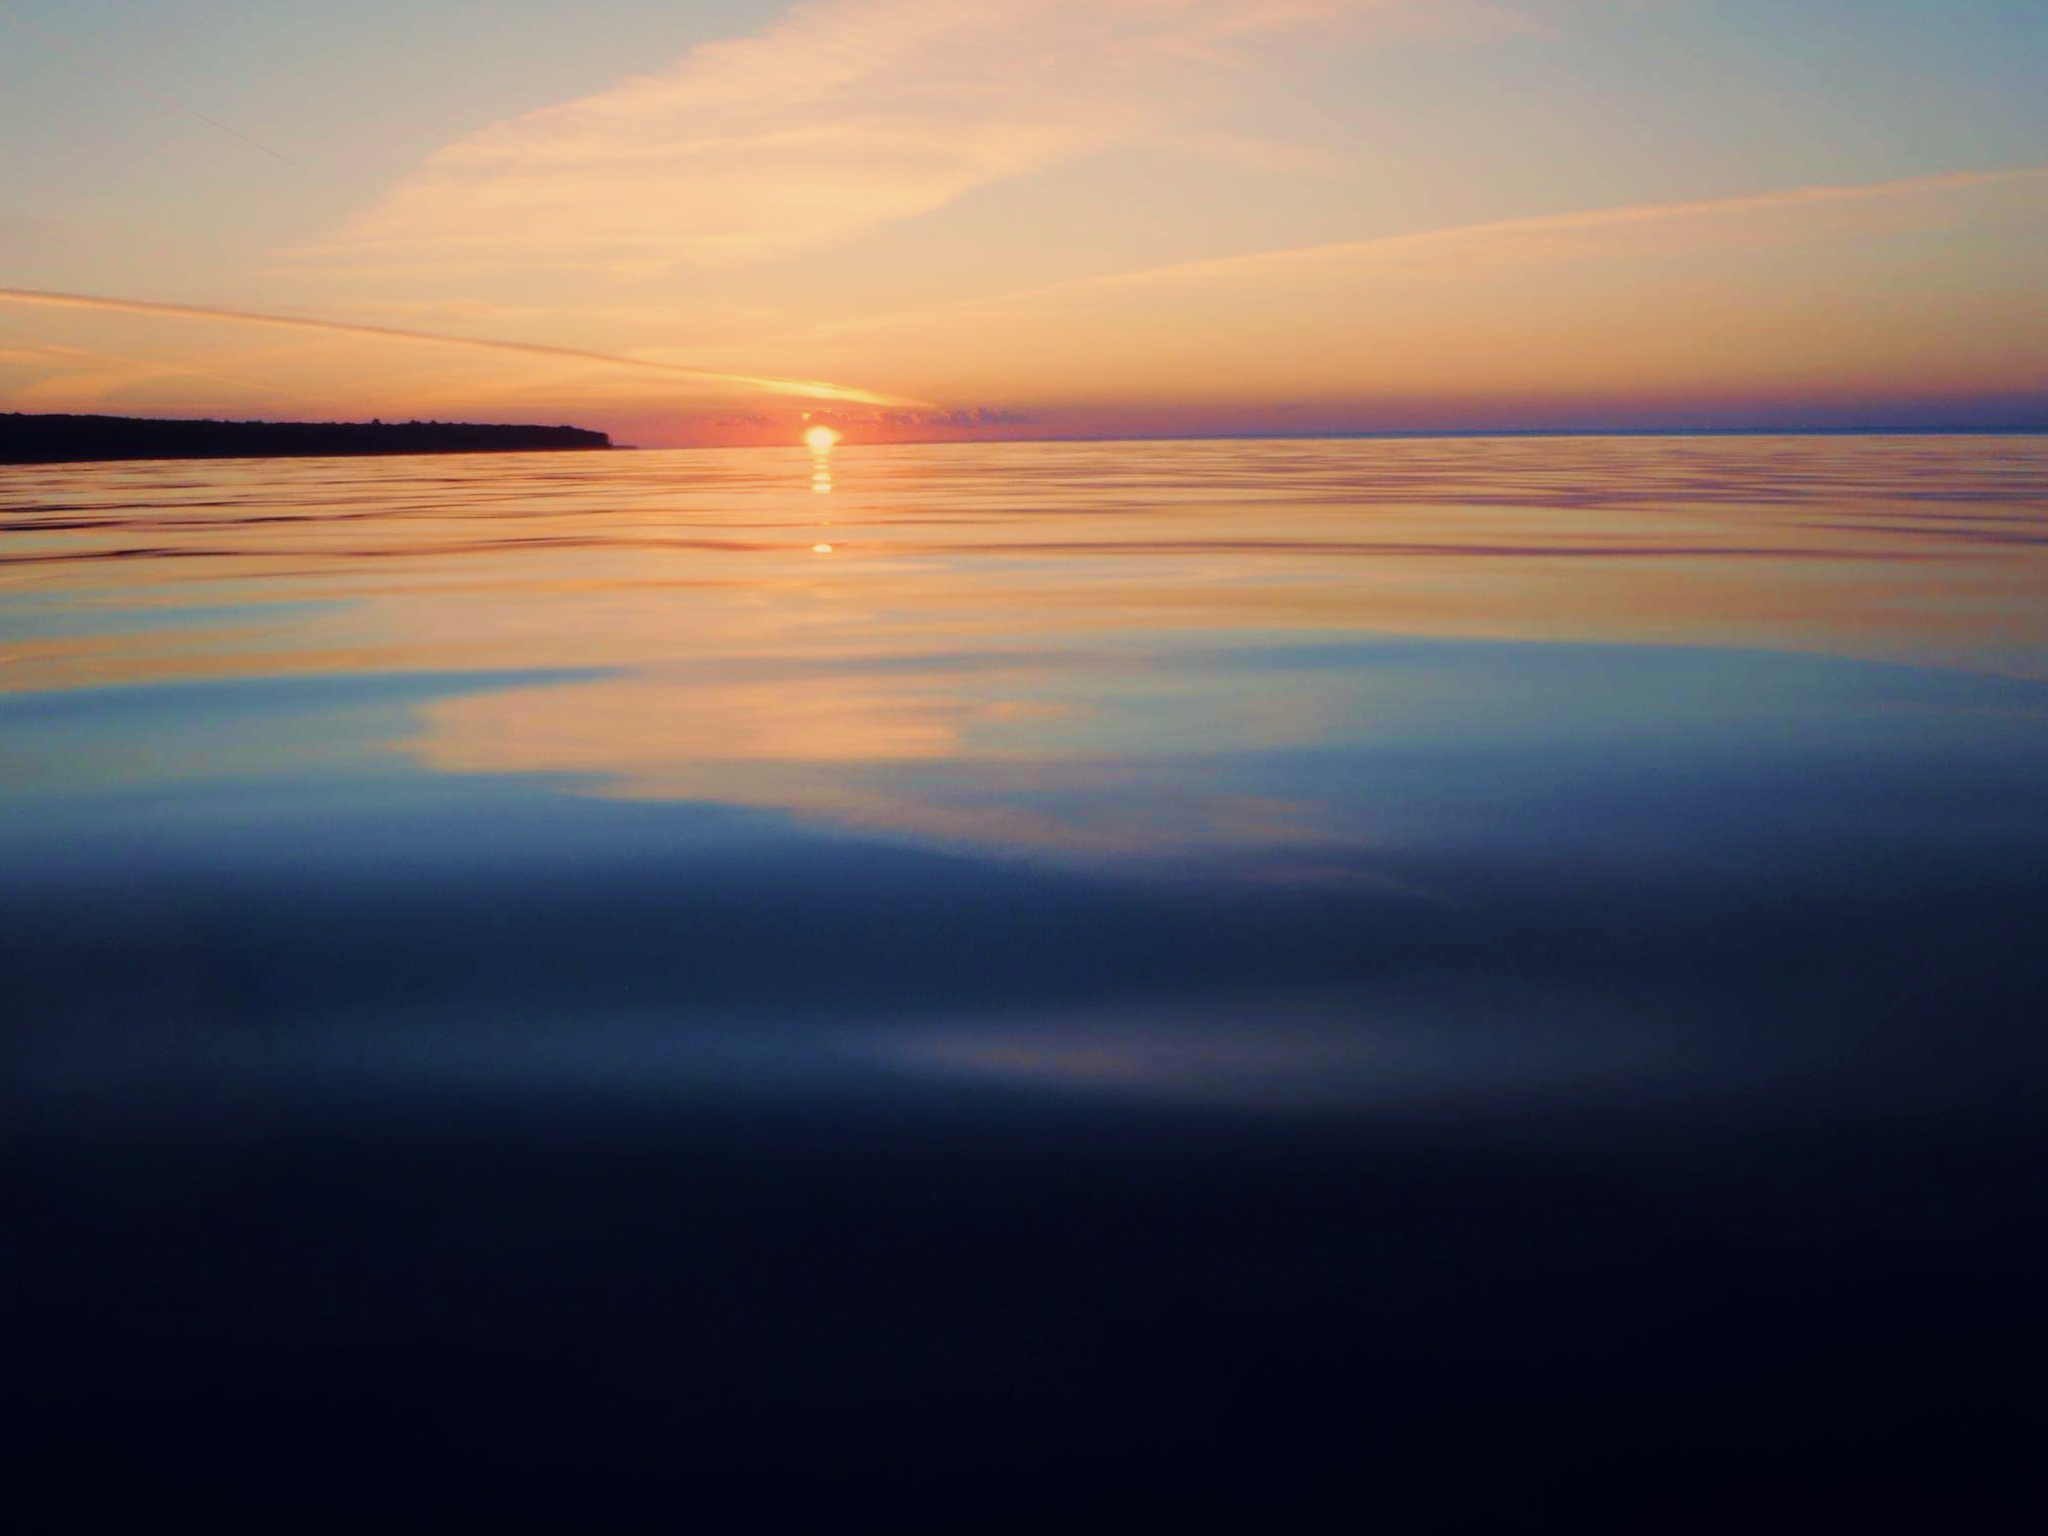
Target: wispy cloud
[751,383]
[1504,238]
[841,116]
[1278,263]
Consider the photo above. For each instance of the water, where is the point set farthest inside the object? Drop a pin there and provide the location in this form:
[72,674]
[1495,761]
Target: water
[933,988]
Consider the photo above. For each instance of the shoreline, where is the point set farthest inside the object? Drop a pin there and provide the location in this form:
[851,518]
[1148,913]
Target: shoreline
[73,439]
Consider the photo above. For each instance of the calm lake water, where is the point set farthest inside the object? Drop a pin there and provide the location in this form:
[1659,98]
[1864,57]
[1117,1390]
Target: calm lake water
[1475,984]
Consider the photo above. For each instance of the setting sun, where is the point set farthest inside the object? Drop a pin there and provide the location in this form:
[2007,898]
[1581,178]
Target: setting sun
[821,438]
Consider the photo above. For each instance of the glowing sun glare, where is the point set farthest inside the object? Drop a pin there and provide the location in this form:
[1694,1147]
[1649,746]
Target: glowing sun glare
[821,438]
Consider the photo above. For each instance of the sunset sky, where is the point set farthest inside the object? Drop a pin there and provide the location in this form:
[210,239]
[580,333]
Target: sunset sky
[695,222]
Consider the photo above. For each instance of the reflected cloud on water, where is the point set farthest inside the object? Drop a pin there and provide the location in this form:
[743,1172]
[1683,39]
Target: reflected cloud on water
[1057,727]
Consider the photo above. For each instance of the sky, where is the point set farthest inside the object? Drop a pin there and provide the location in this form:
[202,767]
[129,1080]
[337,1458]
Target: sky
[686,222]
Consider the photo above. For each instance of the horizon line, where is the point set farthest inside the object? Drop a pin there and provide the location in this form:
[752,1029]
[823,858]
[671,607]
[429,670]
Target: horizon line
[2038,428]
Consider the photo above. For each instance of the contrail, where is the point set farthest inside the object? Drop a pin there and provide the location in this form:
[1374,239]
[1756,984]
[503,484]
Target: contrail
[157,96]
[813,389]
[179,106]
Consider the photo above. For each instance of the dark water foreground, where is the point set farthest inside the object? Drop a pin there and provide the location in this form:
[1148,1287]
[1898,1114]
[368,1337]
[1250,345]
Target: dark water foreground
[1468,986]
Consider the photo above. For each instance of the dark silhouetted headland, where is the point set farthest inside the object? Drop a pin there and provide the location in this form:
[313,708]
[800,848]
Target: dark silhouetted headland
[57,439]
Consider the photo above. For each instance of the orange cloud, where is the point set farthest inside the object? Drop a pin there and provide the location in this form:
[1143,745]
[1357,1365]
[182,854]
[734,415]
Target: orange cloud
[839,117]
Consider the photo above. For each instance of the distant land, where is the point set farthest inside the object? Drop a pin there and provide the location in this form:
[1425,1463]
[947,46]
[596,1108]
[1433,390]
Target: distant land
[63,439]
